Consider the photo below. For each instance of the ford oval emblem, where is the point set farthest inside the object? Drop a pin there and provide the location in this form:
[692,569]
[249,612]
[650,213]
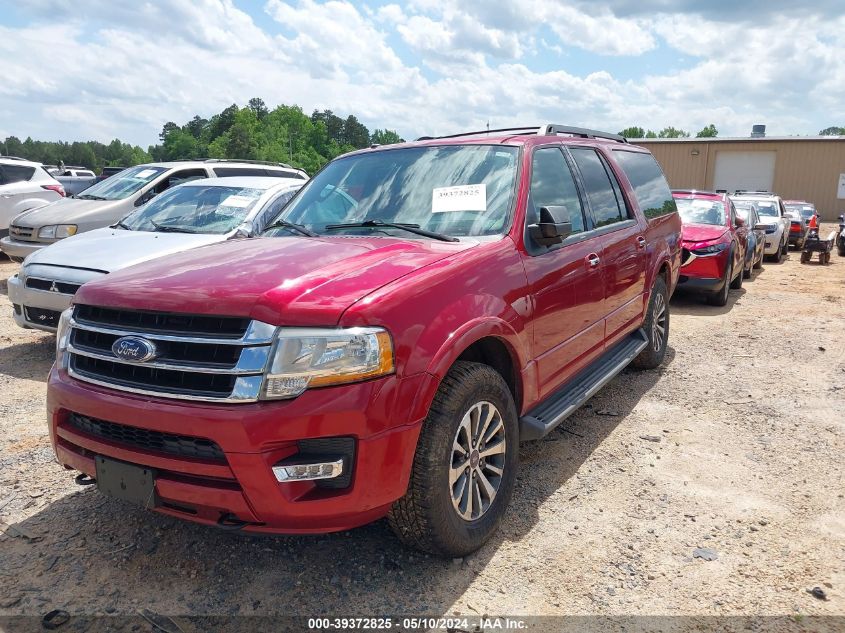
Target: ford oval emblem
[134,348]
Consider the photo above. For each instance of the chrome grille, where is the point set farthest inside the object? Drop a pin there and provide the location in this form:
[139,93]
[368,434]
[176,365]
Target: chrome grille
[198,357]
[22,233]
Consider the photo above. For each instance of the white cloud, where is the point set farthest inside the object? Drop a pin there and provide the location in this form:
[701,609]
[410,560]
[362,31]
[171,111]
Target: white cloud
[127,69]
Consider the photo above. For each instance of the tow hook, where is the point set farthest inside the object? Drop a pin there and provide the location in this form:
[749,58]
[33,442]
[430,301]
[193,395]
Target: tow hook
[232,523]
[84,480]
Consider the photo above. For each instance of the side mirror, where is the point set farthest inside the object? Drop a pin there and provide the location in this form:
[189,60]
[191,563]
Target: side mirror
[739,222]
[144,199]
[553,227]
[244,230]
[761,227]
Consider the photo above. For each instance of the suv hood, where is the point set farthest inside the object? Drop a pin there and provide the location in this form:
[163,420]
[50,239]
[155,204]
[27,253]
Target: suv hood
[702,232]
[65,211]
[108,250]
[279,280]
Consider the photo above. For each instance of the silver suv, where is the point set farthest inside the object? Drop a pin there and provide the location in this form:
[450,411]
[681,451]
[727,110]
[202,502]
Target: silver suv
[106,202]
[24,185]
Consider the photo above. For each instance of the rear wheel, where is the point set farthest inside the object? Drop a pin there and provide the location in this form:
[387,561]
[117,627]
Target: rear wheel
[465,465]
[841,247]
[805,257]
[656,326]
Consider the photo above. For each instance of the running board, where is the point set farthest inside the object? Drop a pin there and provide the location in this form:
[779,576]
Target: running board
[538,422]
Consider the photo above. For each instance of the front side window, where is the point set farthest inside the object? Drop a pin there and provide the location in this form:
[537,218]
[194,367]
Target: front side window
[604,201]
[124,184]
[195,209]
[650,187]
[457,190]
[701,211]
[552,185]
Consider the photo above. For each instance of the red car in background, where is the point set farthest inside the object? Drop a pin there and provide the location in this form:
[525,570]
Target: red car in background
[714,241]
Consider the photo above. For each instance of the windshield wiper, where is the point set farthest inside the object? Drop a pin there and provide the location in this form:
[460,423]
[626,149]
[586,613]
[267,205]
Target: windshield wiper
[121,225]
[88,196]
[284,224]
[411,228]
[164,228]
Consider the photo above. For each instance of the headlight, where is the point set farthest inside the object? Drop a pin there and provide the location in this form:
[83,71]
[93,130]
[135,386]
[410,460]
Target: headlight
[63,335]
[312,357]
[57,231]
[711,250]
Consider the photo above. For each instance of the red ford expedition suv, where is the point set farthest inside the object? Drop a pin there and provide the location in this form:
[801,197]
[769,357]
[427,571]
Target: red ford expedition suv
[415,312]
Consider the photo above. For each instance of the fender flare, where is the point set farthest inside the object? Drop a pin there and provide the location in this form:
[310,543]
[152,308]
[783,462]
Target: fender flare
[455,345]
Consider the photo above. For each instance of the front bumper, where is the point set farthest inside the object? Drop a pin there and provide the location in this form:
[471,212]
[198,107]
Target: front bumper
[13,248]
[704,273]
[37,309]
[773,243]
[253,437]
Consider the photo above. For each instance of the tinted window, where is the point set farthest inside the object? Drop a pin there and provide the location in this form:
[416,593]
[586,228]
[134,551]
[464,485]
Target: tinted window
[649,183]
[606,206]
[270,213]
[16,173]
[256,171]
[552,185]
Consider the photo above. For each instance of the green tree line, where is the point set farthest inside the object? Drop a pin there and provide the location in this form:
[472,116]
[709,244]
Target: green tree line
[709,131]
[253,132]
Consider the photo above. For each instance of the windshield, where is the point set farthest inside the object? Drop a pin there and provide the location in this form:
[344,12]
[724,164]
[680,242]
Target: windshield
[768,209]
[699,211]
[123,184]
[454,190]
[807,212]
[195,209]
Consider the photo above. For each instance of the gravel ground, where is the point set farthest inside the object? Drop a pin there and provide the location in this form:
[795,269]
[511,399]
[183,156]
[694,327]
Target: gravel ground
[735,445]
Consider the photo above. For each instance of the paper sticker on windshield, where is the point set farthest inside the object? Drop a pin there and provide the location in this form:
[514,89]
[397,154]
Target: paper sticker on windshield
[145,173]
[237,201]
[461,198]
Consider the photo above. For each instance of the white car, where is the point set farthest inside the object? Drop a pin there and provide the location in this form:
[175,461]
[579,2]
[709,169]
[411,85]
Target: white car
[773,214]
[24,185]
[187,216]
[109,200]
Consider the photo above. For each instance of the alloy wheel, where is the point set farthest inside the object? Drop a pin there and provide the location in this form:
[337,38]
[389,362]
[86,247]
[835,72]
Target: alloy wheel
[658,322]
[478,461]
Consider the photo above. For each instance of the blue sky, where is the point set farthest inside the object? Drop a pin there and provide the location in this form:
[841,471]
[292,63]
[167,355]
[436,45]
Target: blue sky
[104,69]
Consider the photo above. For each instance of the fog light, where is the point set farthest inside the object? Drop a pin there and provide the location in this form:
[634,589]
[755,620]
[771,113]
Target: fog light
[308,472]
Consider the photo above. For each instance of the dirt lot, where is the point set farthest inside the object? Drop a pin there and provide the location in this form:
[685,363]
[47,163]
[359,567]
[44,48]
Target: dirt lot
[735,445]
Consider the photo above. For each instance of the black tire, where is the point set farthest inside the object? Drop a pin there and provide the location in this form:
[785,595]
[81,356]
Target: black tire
[425,517]
[720,298]
[759,263]
[736,282]
[785,248]
[841,248]
[657,318]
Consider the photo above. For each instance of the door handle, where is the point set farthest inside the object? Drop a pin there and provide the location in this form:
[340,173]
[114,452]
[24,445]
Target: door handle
[641,241]
[593,260]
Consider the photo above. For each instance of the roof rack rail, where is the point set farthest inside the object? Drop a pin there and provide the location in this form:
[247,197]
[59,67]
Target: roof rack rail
[753,192]
[234,160]
[538,130]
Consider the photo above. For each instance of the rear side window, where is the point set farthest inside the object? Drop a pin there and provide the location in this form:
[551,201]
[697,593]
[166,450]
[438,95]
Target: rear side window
[603,192]
[649,183]
[222,172]
[15,173]
[552,185]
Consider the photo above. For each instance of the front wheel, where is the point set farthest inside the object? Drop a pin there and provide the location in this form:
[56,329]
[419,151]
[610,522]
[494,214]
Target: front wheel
[656,326]
[721,298]
[841,247]
[759,263]
[465,466]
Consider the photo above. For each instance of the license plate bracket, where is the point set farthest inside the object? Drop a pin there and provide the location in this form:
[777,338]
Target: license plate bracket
[129,482]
